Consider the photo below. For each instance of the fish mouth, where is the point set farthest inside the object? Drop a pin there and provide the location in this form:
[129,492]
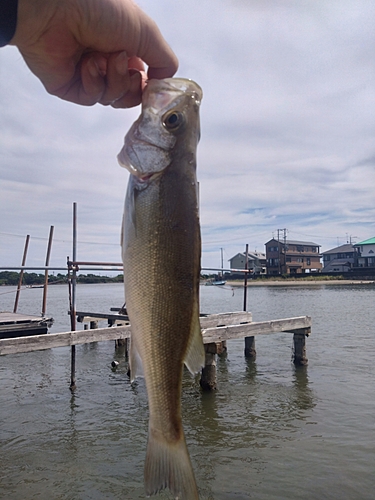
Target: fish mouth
[149,142]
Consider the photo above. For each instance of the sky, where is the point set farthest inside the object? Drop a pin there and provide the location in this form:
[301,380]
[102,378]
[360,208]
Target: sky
[287,121]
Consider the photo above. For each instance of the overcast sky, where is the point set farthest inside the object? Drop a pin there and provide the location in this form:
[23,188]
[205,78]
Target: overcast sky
[288,128]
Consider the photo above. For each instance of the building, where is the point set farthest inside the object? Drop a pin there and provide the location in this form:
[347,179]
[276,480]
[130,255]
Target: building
[366,249]
[292,257]
[256,262]
[340,259]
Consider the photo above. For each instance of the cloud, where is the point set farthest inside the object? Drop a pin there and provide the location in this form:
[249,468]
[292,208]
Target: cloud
[287,133]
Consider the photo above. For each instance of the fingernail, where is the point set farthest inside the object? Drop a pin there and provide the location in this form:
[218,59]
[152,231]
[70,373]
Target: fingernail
[121,63]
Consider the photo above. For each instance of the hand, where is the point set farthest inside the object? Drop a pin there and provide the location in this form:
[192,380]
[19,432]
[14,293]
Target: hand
[89,51]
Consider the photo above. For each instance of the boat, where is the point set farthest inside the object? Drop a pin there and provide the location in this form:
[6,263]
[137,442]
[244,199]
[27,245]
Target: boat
[216,283]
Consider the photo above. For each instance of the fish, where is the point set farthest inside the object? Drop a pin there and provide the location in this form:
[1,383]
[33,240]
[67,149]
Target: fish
[161,251]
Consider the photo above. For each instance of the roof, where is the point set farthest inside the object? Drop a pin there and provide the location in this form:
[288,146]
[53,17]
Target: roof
[251,255]
[370,241]
[336,262]
[295,242]
[347,248]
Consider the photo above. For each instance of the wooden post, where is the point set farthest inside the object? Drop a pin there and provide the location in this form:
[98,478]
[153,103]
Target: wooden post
[122,343]
[299,341]
[208,377]
[221,348]
[44,302]
[250,351]
[21,274]
[73,283]
[245,277]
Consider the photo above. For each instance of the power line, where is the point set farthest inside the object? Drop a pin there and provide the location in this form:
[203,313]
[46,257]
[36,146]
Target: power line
[41,238]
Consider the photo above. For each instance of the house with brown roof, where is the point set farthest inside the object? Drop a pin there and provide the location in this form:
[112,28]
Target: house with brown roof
[292,257]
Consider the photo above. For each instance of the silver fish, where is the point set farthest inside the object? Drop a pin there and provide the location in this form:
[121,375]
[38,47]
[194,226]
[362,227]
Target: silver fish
[161,250]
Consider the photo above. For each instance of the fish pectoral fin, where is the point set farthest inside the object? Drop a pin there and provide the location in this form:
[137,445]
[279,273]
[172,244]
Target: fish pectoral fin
[135,361]
[194,359]
[168,465]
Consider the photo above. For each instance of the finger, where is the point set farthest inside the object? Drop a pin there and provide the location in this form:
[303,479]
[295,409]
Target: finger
[91,86]
[152,48]
[85,87]
[133,96]
[117,78]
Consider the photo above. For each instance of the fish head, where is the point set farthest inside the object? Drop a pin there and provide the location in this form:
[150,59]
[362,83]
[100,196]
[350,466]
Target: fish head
[170,116]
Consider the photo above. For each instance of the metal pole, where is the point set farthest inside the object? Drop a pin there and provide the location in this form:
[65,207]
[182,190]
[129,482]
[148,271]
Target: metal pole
[245,278]
[21,274]
[44,303]
[73,302]
[278,249]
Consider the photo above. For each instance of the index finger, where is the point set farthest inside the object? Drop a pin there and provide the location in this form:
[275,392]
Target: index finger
[153,49]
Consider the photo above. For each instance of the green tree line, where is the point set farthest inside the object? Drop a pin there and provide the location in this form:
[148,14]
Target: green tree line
[12,278]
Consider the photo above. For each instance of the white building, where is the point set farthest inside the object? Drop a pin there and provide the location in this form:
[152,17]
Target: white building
[367,253]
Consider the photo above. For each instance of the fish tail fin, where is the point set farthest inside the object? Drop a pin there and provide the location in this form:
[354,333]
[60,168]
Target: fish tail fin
[168,465]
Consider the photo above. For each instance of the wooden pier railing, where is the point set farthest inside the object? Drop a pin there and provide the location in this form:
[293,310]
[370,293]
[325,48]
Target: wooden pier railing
[216,330]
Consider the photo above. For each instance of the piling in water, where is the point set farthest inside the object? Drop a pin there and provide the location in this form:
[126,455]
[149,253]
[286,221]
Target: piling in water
[208,376]
[299,355]
[250,351]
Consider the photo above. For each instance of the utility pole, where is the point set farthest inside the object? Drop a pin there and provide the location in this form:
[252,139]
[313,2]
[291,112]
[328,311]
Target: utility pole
[278,249]
[284,231]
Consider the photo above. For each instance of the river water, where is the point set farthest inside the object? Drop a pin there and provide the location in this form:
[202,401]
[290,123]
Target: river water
[270,431]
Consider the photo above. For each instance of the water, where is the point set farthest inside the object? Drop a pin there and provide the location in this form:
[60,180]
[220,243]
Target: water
[271,431]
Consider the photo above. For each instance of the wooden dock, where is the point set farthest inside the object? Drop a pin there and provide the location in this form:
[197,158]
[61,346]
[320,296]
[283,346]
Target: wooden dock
[216,330]
[14,325]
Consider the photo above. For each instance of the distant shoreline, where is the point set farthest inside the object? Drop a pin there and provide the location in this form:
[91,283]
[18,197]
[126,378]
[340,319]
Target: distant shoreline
[299,282]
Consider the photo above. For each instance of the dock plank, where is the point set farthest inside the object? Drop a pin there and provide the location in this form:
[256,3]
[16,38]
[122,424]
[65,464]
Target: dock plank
[210,335]
[14,325]
[230,332]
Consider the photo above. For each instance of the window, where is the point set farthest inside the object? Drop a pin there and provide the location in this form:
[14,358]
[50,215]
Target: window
[273,262]
[308,261]
[289,259]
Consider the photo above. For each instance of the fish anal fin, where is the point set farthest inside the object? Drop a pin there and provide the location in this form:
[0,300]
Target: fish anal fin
[194,359]
[135,361]
[168,465]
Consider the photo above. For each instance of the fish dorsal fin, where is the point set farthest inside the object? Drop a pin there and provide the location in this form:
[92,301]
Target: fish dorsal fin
[135,361]
[194,359]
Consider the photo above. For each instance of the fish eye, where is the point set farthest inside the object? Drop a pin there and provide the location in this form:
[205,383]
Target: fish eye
[173,120]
